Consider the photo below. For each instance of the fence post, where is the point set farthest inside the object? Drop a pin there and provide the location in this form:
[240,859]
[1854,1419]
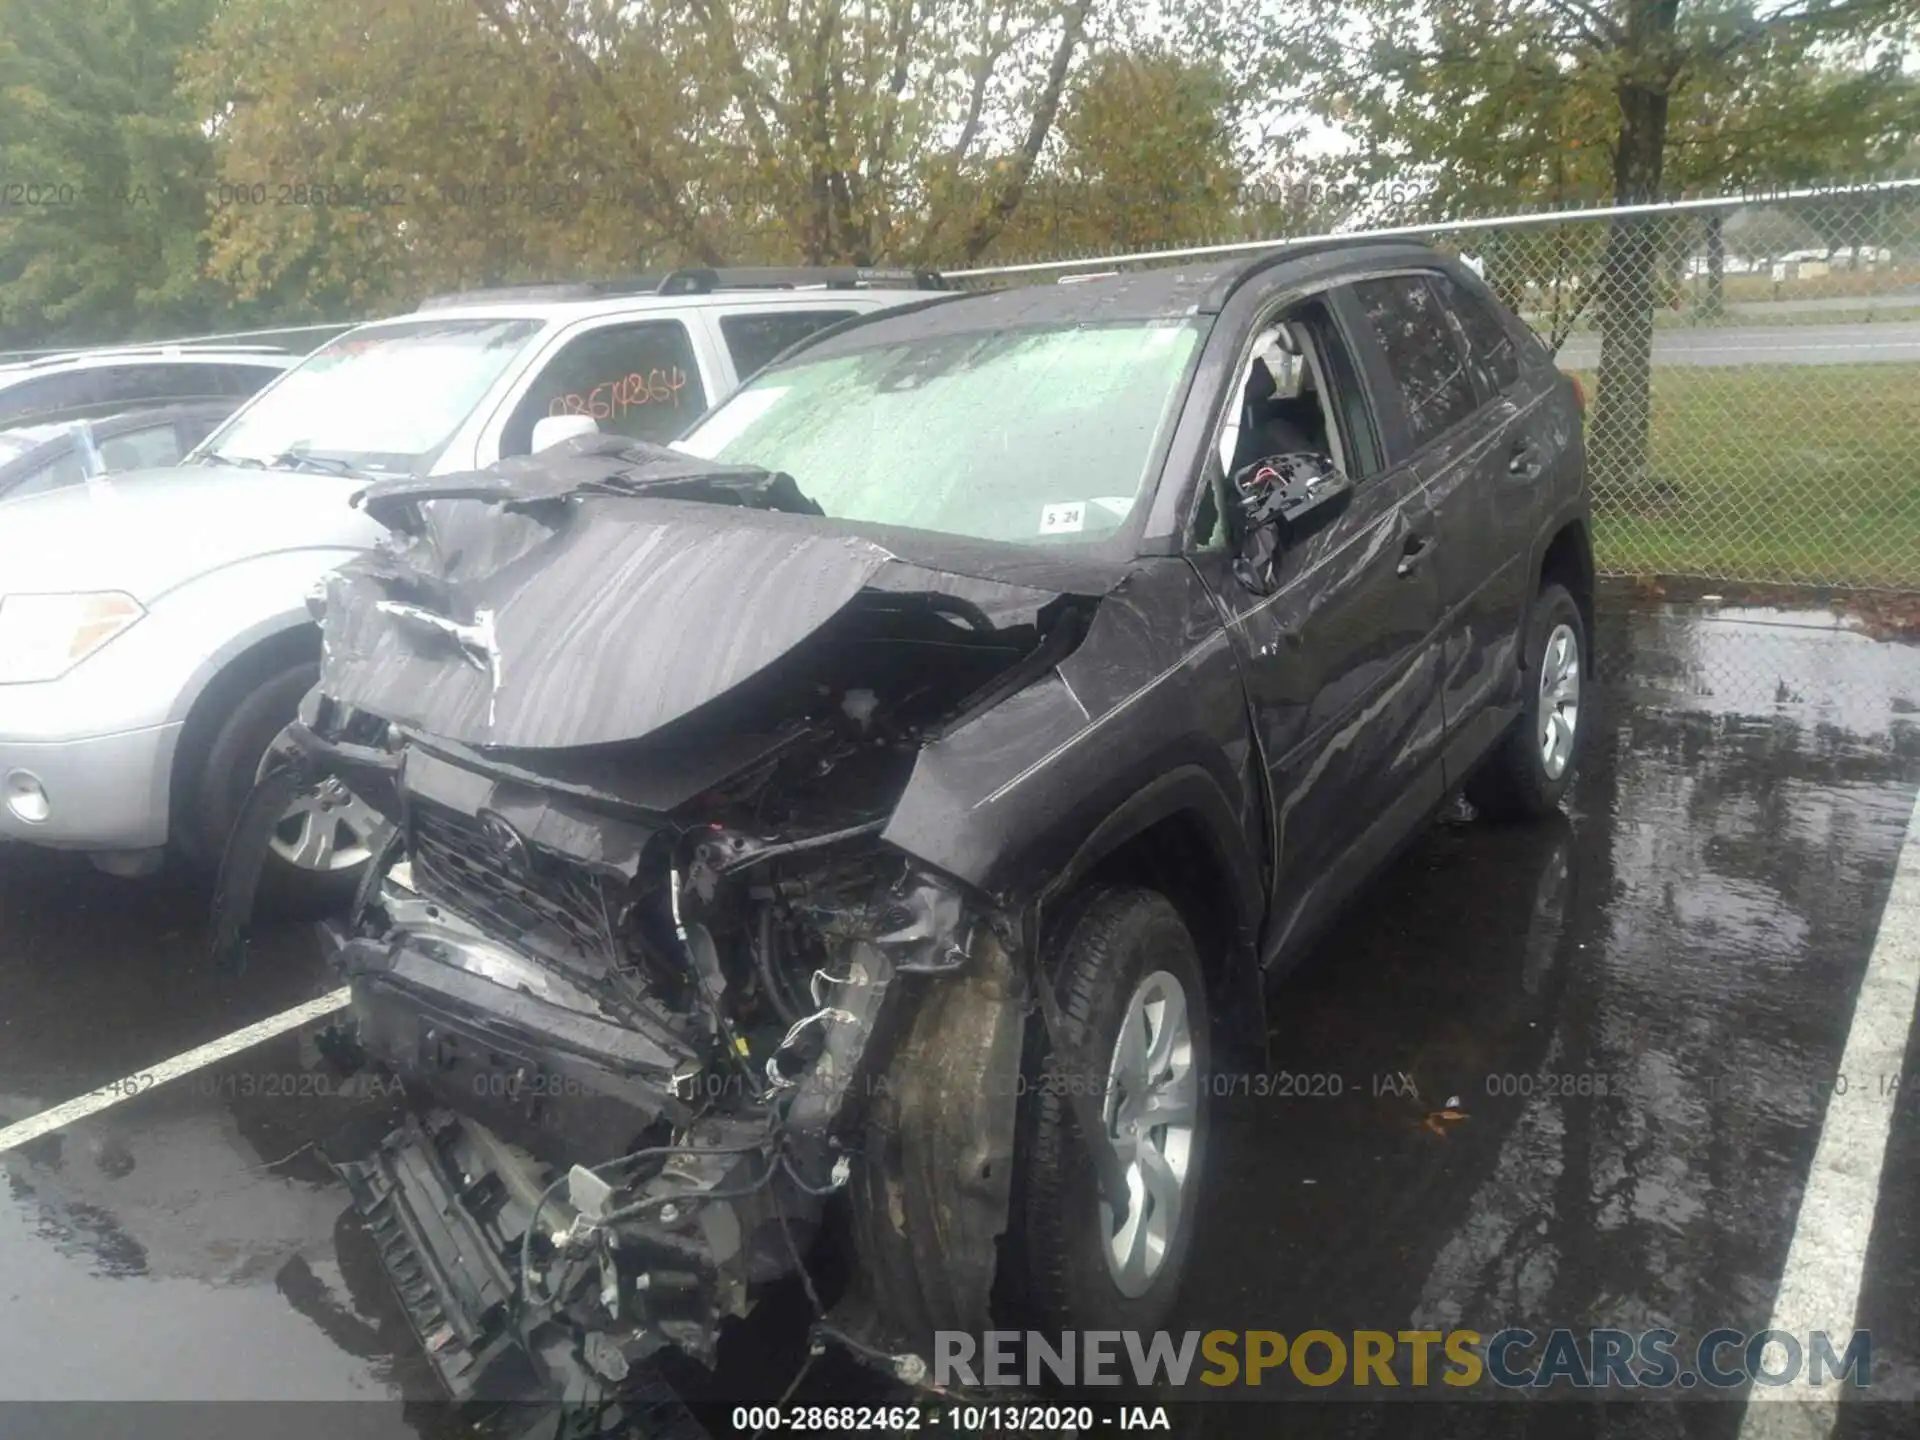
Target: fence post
[1623,390]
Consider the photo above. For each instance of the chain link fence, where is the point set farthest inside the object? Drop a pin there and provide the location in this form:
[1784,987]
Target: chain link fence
[1751,367]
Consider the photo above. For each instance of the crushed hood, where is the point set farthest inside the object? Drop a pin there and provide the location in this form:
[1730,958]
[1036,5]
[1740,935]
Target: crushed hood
[520,615]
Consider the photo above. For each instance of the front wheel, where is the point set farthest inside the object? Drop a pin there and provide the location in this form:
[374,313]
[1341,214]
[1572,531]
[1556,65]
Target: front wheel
[1134,1003]
[321,845]
[1532,767]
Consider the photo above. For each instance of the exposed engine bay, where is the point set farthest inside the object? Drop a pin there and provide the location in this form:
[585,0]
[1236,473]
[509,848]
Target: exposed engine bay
[658,1000]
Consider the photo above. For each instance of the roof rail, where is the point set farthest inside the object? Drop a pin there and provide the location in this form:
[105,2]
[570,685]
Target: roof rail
[134,352]
[696,280]
[547,290]
[703,281]
[185,342]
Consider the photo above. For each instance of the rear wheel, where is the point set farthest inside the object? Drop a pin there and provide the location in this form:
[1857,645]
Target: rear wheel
[324,840]
[1532,768]
[1130,989]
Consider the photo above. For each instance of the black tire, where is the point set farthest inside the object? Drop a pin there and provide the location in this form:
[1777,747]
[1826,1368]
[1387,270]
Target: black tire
[1514,782]
[1114,940]
[238,745]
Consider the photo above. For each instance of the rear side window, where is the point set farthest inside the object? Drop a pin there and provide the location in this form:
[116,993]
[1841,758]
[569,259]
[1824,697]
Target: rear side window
[1421,353]
[242,380]
[1491,353]
[754,339]
[641,381]
[105,388]
[47,393]
[207,381]
[138,384]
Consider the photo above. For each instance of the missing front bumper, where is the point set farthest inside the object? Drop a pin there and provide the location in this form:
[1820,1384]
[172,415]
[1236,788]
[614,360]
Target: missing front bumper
[447,1206]
[445,1264]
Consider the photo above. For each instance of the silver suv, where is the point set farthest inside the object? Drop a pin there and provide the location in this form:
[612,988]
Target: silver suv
[154,630]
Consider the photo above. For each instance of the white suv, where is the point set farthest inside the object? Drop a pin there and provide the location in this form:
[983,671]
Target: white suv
[154,635]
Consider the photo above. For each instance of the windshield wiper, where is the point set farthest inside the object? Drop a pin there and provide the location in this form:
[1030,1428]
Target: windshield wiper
[755,488]
[537,486]
[238,462]
[326,464]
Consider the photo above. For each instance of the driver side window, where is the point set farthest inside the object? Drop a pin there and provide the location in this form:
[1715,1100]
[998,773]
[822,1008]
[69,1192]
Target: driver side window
[1293,396]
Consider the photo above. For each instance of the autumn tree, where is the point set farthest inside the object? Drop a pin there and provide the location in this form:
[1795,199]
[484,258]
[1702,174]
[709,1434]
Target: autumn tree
[1144,159]
[1491,105]
[454,143]
[100,229]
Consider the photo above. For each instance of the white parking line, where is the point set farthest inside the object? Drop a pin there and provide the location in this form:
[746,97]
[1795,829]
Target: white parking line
[211,1053]
[1820,1287]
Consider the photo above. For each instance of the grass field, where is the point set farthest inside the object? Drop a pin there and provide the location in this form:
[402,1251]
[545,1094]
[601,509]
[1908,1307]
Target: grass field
[1792,473]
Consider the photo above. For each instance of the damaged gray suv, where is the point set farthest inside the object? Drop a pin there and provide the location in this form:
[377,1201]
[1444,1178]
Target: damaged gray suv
[877,816]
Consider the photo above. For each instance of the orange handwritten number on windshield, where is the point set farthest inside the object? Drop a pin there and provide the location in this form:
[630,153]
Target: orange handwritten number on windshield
[614,398]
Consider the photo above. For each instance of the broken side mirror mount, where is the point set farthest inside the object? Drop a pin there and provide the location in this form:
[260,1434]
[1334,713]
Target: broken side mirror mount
[1282,499]
[552,430]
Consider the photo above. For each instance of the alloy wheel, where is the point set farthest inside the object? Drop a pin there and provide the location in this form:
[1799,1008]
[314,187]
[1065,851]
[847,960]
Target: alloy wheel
[1559,699]
[1152,1105]
[326,828]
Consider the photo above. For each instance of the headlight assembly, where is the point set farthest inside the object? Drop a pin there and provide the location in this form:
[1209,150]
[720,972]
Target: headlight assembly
[42,637]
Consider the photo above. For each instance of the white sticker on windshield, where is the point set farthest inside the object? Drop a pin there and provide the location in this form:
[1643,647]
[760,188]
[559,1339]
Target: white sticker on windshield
[1063,519]
[1121,505]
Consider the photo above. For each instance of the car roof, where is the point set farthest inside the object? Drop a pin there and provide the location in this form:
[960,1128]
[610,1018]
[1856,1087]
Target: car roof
[701,280]
[1168,292]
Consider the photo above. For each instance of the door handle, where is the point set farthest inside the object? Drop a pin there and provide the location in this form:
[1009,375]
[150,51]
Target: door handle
[1412,552]
[1524,462]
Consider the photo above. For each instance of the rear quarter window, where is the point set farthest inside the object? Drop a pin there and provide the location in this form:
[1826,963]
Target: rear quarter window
[1491,351]
[1422,356]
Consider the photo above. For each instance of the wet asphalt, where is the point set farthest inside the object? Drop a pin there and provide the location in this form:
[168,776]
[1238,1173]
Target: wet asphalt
[1689,938]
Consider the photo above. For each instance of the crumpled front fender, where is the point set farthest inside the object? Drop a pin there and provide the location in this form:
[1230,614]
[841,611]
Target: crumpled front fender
[931,1198]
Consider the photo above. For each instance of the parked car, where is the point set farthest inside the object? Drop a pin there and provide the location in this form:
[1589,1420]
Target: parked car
[903,787]
[94,383]
[38,458]
[154,632]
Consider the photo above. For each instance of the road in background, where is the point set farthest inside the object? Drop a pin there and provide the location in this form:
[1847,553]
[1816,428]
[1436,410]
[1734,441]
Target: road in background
[1877,343]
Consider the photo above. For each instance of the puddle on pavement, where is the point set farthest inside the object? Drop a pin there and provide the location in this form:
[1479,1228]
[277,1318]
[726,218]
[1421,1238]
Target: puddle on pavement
[1634,1009]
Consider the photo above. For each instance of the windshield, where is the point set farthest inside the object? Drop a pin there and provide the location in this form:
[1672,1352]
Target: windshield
[386,399]
[1041,436]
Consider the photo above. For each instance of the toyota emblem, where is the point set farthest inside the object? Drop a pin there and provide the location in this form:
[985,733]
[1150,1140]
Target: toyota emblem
[510,844]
